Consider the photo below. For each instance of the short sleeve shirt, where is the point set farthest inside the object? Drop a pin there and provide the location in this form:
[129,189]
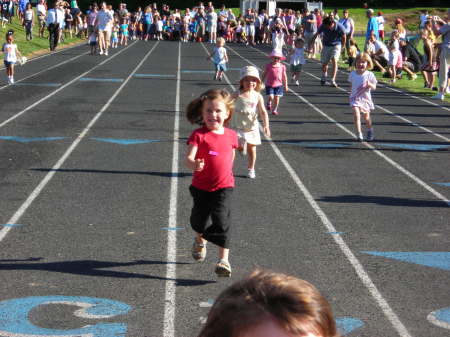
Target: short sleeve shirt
[332,37]
[445,32]
[217,151]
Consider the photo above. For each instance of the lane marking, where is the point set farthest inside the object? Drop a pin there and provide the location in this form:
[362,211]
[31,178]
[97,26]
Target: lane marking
[172,228]
[93,79]
[11,225]
[171,271]
[154,76]
[409,174]
[440,317]
[440,260]
[198,71]
[417,147]
[345,249]
[319,145]
[9,120]
[29,140]
[37,191]
[346,325]
[30,84]
[443,184]
[126,141]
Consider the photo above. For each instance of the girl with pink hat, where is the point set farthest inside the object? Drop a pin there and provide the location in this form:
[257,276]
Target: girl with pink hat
[248,105]
[275,80]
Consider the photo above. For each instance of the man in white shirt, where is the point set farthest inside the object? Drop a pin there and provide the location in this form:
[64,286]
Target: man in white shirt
[104,22]
[52,21]
[380,54]
[211,24]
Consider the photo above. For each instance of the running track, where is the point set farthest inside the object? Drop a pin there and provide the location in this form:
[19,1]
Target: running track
[94,209]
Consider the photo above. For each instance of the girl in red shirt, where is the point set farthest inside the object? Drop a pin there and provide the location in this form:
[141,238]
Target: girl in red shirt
[210,156]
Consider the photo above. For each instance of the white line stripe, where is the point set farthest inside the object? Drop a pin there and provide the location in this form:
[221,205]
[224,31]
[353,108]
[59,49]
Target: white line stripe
[359,269]
[171,272]
[23,208]
[61,88]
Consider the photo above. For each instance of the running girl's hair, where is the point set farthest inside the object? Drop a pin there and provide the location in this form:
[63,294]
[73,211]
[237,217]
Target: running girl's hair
[194,109]
[365,57]
[220,41]
[294,304]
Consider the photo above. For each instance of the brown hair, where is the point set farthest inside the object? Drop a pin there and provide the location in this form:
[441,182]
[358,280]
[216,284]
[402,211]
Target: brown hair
[294,304]
[195,108]
[366,57]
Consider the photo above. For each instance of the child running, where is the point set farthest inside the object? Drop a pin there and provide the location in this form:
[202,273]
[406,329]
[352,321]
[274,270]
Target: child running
[220,58]
[11,53]
[93,42]
[297,59]
[247,105]
[210,154]
[362,81]
[275,79]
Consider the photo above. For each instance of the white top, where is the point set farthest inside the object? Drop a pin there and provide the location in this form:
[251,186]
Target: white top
[29,15]
[380,45]
[41,10]
[10,52]
[104,20]
[278,40]
[159,25]
[380,21]
[219,54]
[212,18]
[298,57]
[361,96]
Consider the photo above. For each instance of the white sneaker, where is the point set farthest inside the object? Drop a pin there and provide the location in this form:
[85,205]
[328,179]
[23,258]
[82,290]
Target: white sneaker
[106,53]
[101,52]
[447,90]
[11,81]
[438,96]
[297,83]
[251,174]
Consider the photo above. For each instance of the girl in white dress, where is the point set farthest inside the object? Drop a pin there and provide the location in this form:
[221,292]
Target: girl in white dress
[248,105]
[362,81]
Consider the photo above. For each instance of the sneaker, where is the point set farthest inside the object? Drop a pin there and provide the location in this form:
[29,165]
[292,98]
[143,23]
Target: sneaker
[106,53]
[198,251]
[323,82]
[101,52]
[251,174]
[11,81]
[370,135]
[333,84]
[223,269]
[359,137]
[276,113]
[438,96]
[297,83]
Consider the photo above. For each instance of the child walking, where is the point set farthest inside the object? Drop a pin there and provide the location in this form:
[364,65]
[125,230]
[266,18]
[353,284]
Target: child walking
[11,53]
[210,155]
[93,42]
[362,81]
[220,58]
[248,105]
[297,59]
[275,79]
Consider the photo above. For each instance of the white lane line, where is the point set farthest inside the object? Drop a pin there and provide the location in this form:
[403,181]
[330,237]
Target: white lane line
[37,191]
[357,266]
[409,174]
[171,272]
[44,70]
[394,114]
[9,120]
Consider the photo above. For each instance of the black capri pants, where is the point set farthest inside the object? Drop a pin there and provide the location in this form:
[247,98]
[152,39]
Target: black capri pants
[216,205]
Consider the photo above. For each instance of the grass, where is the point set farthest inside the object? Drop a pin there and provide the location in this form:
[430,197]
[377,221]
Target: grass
[36,46]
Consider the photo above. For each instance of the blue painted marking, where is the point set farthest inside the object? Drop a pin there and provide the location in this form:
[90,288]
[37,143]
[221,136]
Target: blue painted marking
[198,71]
[11,225]
[154,75]
[91,79]
[319,145]
[346,325]
[28,140]
[38,84]
[126,141]
[439,260]
[15,316]
[441,318]
[172,228]
[236,69]
[335,233]
[443,184]
[417,147]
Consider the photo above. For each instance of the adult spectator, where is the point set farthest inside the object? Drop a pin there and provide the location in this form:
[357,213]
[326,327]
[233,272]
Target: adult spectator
[122,12]
[423,18]
[53,25]
[398,25]
[211,25]
[309,29]
[349,26]
[21,9]
[165,11]
[372,25]
[289,20]
[200,17]
[333,34]
[379,53]
[261,22]
[444,60]
[104,22]
[92,16]
[223,13]
[380,20]
[250,19]
[412,60]
[41,11]
[429,67]
[319,17]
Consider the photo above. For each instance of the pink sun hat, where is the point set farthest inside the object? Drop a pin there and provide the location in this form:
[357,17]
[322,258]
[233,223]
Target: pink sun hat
[277,53]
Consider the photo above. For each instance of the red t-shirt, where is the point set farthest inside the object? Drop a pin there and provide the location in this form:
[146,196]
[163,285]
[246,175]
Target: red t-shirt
[217,152]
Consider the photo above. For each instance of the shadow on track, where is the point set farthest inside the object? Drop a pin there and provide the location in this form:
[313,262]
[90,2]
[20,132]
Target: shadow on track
[385,201]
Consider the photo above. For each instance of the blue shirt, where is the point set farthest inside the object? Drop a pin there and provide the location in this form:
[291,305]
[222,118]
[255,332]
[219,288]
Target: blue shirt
[332,37]
[372,26]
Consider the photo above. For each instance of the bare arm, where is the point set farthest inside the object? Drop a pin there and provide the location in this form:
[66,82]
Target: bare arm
[263,115]
[190,161]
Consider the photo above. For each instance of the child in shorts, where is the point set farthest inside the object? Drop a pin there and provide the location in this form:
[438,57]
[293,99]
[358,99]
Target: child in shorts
[297,59]
[275,79]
